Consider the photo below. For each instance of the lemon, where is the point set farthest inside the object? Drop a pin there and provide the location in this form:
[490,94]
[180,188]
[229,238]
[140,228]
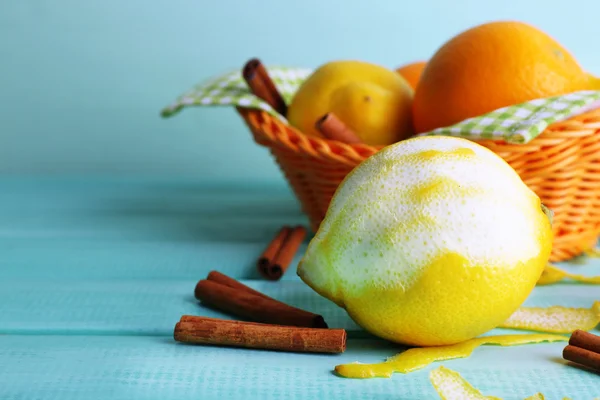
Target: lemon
[373,101]
[431,241]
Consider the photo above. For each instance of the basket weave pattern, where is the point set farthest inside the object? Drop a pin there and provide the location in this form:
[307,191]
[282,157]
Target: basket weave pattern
[562,166]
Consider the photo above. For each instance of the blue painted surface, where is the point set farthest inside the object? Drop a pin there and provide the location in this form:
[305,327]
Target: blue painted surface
[83,82]
[147,367]
[94,273]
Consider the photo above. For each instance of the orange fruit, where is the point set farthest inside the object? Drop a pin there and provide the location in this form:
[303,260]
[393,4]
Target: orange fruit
[490,66]
[412,72]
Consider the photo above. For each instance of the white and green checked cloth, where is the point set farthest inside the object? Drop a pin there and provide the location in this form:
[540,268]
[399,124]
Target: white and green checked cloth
[518,123]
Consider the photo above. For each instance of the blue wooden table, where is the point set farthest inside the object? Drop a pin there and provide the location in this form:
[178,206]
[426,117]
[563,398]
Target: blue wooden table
[95,272]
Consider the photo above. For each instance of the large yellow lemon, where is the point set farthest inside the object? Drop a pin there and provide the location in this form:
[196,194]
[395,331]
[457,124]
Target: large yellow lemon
[373,101]
[431,241]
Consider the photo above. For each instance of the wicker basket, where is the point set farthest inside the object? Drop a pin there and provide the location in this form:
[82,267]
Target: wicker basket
[562,166]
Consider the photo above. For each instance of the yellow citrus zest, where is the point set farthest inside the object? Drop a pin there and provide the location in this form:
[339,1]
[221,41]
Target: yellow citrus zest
[420,357]
[593,252]
[555,319]
[451,385]
[553,274]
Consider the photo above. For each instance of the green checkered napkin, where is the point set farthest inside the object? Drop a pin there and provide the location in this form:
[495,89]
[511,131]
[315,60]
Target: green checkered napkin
[519,123]
[231,89]
[523,122]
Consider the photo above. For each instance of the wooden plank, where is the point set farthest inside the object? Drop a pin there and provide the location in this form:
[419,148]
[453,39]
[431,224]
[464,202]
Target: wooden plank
[75,205]
[130,306]
[65,259]
[125,368]
[152,307]
[120,228]
[111,228]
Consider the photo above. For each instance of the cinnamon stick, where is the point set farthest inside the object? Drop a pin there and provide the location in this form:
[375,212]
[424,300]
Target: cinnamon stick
[255,308]
[331,127]
[223,279]
[265,259]
[286,253]
[212,331]
[261,84]
[585,340]
[582,356]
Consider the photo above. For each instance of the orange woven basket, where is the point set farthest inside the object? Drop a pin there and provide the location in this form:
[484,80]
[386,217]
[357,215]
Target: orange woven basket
[562,166]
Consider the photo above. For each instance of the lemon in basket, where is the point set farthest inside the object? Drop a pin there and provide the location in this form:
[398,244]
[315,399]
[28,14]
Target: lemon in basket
[373,101]
[431,241]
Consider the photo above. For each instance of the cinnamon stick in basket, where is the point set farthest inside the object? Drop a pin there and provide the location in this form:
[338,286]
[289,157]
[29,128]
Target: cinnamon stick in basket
[260,83]
[213,331]
[249,306]
[331,127]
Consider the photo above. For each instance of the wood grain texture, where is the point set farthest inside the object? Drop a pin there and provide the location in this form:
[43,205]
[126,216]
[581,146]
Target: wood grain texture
[94,274]
[153,306]
[146,307]
[65,228]
[157,368]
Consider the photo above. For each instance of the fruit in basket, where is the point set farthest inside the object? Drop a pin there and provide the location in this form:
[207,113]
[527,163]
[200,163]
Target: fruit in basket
[491,66]
[412,72]
[430,241]
[373,101]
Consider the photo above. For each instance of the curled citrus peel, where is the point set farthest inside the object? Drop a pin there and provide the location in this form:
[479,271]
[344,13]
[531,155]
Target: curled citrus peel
[555,319]
[539,396]
[420,357]
[554,274]
[593,252]
[451,385]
